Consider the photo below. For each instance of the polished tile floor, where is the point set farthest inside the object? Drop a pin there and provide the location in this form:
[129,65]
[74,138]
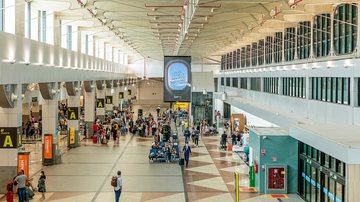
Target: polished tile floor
[85,174]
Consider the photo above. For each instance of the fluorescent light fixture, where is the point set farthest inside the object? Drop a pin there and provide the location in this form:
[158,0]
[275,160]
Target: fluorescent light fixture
[24,62]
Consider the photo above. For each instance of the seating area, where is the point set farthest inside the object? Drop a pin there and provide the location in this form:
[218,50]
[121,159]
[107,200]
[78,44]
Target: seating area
[164,151]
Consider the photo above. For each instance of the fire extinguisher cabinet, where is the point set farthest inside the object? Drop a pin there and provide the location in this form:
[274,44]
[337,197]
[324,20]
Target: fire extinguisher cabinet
[276,179]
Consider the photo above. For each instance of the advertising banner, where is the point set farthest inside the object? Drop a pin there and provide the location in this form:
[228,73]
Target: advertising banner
[181,105]
[9,138]
[72,135]
[48,140]
[177,79]
[23,162]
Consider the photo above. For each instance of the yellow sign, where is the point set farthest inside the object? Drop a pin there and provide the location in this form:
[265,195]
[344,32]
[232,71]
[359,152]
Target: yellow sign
[100,103]
[182,105]
[72,136]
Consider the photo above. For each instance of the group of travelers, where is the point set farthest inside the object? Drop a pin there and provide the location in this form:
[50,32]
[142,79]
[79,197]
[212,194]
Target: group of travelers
[112,127]
[23,186]
[32,128]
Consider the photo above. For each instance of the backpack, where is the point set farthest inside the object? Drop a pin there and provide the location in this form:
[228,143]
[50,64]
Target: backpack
[114,181]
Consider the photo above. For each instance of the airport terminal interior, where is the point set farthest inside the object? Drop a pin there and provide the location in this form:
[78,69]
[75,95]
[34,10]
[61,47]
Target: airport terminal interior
[179,100]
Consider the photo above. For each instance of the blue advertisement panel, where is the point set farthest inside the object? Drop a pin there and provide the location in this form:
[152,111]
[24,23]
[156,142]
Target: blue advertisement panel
[177,78]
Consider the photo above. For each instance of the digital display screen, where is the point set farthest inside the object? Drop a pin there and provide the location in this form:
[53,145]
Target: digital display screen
[177,79]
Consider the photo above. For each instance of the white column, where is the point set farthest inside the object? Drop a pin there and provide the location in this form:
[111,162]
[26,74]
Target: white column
[89,108]
[100,108]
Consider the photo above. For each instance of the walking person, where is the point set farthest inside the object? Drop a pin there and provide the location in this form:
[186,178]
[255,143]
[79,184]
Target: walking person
[118,187]
[187,152]
[41,184]
[21,183]
[196,136]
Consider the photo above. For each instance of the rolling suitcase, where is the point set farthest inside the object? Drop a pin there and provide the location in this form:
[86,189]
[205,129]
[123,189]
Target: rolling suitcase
[230,146]
[94,138]
[181,161]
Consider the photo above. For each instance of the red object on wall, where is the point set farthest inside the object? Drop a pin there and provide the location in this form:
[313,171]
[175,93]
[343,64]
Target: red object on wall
[256,168]
[262,152]
[276,178]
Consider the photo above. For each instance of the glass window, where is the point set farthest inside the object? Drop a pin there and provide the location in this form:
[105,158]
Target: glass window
[235,82]
[269,50]
[248,56]
[329,89]
[327,161]
[339,90]
[340,193]
[323,87]
[321,36]
[304,39]
[346,90]
[345,28]
[69,37]
[238,58]
[254,56]
[340,168]
[1,15]
[278,43]
[243,57]
[261,52]
[331,193]
[228,82]
[318,88]
[289,44]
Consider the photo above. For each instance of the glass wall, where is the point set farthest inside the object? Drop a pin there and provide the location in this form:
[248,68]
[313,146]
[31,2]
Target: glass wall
[238,58]
[228,81]
[255,84]
[222,81]
[235,82]
[273,48]
[243,83]
[322,177]
[271,85]
[294,86]
[331,89]
[1,15]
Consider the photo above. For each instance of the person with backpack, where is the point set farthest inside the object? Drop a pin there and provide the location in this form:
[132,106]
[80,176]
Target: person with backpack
[196,136]
[21,183]
[116,182]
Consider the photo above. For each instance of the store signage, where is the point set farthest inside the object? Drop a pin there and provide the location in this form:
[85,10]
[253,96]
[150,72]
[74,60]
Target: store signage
[72,135]
[100,103]
[121,95]
[9,138]
[73,113]
[48,141]
[109,100]
[23,162]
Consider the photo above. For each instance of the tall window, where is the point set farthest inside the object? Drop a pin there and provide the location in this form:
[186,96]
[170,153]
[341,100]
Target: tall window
[248,53]
[228,81]
[69,37]
[278,47]
[222,81]
[235,82]
[261,52]
[234,59]
[1,15]
[254,54]
[230,60]
[243,57]
[227,61]
[271,85]
[243,83]
[304,40]
[222,62]
[294,86]
[269,50]
[255,84]
[289,43]
[238,58]
[345,28]
[322,36]
[8,18]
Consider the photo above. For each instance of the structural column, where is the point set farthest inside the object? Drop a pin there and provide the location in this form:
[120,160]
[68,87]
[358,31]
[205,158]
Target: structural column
[10,127]
[73,115]
[116,98]
[100,103]
[109,100]
[89,107]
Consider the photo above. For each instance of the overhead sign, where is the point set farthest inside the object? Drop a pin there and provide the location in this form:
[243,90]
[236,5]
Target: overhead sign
[9,138]
[48,140]
[100,103]
[73,113]
[121,95]
[109,100]
[23,162]
[177,79]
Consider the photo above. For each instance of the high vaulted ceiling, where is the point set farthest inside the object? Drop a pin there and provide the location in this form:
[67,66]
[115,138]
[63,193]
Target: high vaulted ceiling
[154,28]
